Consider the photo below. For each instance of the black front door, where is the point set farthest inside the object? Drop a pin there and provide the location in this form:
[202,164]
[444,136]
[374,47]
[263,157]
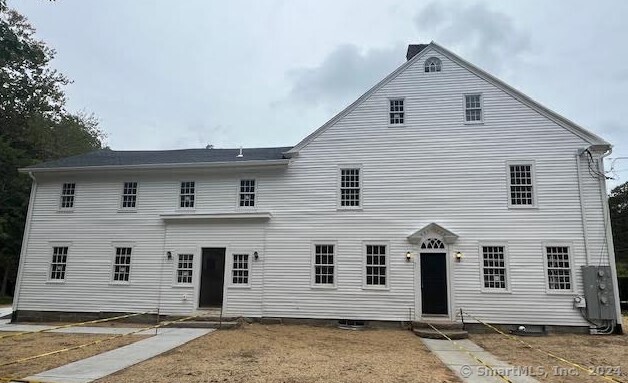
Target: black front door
[434,283]
[212,277]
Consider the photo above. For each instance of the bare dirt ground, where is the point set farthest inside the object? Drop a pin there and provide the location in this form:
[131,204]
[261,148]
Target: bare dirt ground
[602,353]
[294,354]
[33,344]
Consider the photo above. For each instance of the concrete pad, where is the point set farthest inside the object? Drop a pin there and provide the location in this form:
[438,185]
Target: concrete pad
[5,310]
[98,366]
[464,364]
[72,330]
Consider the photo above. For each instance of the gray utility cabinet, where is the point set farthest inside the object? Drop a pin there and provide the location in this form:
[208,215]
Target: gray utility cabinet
[598,292]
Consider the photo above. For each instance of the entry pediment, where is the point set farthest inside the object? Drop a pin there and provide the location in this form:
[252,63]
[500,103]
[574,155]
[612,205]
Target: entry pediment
[418,236]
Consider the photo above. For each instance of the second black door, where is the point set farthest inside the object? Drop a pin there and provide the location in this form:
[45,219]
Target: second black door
[212,277]
[434,284]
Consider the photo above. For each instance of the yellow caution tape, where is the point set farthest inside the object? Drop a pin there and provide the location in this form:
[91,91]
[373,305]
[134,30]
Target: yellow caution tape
[161,324]
[13,380]
[470,354]
[73,325]
[590,371]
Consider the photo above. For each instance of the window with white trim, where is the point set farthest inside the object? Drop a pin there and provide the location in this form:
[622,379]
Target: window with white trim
[59,262]
[350,188]
[473,108]
[122,264]
[494,267]
[247,193]
[432,64]
[324,258]
[521,185]
[558,267]
[67,195]
[396,113]
[187,194]
[184,268]
[376,265]
[240,269]
[129,195]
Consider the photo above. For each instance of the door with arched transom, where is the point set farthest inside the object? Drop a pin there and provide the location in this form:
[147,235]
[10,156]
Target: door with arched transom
[433,258]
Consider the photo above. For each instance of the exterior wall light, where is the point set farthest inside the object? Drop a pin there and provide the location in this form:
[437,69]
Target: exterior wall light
[408,256]
[458,256]
[169,255]
[255,255]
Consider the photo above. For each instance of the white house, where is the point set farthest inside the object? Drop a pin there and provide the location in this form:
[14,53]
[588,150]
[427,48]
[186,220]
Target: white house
[440,189]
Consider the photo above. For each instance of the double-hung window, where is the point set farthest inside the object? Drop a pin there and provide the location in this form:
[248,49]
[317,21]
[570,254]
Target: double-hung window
[129,195]
[187,194]
[184,268]
[494,272]
[396,113]
[521,185]
[122,264]
[376,265]
[67,195]
[240,269]
[558,268]
[324,261]
[59,263]
[350,187]
[473,108]
[247,193]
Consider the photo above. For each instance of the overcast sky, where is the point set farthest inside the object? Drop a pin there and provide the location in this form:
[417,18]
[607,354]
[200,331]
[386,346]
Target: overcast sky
[178,74]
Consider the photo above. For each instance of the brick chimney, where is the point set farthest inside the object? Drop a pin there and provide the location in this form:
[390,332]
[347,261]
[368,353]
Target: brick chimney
[414,49]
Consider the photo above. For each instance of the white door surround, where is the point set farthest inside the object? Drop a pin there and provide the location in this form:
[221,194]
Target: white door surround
[435,239]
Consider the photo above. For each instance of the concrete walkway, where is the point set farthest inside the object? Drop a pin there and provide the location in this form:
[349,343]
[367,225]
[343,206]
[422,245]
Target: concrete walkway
[107,363]
[5,326]
[470,370]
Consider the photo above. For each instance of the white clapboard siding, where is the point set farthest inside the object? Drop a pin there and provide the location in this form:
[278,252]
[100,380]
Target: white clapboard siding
[433,169]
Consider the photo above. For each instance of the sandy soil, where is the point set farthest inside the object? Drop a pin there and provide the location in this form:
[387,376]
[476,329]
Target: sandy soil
[34,344]
[294,354]
[594,351]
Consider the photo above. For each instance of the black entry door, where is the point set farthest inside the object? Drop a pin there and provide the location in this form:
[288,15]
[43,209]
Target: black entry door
[434,283]
[212,277]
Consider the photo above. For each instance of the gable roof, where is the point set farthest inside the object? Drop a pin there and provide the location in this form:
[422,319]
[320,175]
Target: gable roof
[418,236]
[106,158]
[422,49]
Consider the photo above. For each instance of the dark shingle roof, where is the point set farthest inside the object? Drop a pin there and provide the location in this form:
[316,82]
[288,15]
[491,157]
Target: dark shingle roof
[106,157]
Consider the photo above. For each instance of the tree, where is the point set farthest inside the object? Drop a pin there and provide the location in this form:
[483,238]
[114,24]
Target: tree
[34,127]
[618,206]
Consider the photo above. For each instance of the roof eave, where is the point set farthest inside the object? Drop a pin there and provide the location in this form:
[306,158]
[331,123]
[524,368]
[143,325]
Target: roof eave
[192,165]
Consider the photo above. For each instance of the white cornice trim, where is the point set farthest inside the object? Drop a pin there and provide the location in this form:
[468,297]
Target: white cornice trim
[191,165]
[228,215]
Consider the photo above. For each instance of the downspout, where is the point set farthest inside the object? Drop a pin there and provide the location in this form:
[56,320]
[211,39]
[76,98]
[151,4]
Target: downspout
[609,236]
[23,250]
[583,208]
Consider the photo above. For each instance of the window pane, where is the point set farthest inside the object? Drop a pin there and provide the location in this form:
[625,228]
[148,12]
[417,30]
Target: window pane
[396,112]
[247,193]
[376,265]
[494,267]
[558,268]
[350,187]
[187,194]
[122,264]
[324,264]
[521,189]
[240,269]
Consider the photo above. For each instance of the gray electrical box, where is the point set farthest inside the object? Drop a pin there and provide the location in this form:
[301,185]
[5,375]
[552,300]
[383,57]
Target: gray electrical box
[598,292]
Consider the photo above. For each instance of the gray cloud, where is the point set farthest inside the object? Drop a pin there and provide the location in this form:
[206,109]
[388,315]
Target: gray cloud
[484,36]
[343,75]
